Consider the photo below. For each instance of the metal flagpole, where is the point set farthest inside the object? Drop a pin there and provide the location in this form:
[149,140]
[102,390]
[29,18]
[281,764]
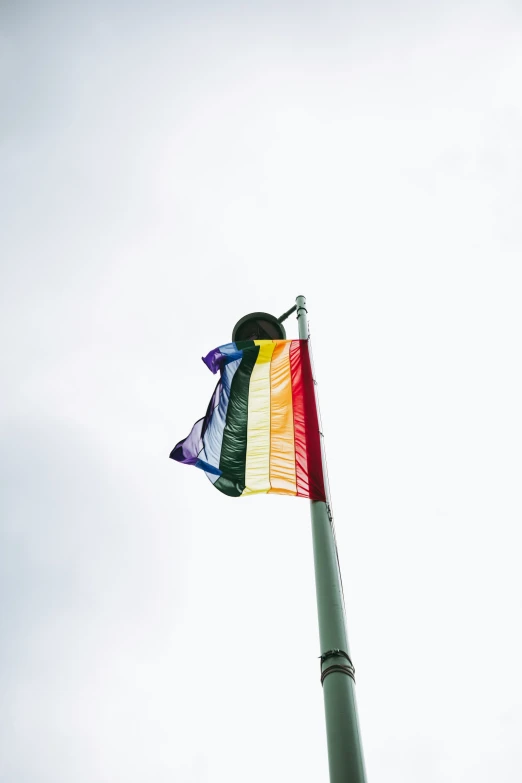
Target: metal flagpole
[345,756]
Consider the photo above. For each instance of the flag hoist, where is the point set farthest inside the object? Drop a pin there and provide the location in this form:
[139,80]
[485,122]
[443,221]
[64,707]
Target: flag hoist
[261,434]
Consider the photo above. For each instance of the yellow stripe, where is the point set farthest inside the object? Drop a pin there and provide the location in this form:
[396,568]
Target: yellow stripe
[257,472]
[282,447]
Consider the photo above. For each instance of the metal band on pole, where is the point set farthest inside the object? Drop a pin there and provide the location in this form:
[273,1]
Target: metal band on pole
[345,756]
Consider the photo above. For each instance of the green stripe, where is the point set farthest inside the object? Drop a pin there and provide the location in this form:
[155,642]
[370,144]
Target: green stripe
[232,461]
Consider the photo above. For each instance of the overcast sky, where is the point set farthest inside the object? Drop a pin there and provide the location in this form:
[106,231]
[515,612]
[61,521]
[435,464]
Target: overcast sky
[166,168]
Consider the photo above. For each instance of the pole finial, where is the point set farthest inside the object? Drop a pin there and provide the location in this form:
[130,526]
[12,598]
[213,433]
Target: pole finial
[302,321]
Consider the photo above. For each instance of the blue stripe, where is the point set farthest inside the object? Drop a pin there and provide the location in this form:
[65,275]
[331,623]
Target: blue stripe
[213,437]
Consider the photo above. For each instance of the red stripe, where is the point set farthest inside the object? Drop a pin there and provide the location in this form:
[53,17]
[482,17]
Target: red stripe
[308,461]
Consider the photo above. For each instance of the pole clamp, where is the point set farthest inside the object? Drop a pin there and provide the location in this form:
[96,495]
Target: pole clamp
[336,667]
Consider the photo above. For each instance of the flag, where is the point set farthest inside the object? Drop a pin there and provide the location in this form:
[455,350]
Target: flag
[261,431]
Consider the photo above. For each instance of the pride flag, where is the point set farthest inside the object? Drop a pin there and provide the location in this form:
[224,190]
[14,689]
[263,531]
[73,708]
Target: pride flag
[261,432]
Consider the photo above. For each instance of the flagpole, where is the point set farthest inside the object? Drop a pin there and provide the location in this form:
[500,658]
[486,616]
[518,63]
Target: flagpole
[345,756]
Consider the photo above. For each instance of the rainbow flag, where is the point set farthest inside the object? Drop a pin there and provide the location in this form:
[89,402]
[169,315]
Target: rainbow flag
[261,430]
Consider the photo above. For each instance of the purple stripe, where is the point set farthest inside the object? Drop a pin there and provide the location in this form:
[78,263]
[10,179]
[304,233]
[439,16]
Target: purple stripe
[221,356]
[202,447]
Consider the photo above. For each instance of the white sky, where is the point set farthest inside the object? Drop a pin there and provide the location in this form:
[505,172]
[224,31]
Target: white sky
[167,168]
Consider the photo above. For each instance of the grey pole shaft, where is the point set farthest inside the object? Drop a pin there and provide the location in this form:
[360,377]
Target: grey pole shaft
[345,756]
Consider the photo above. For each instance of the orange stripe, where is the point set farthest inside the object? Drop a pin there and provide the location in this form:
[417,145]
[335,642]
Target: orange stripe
[282,447]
